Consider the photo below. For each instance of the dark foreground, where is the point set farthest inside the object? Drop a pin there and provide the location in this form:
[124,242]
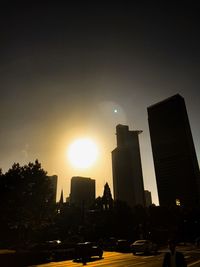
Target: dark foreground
[112,259]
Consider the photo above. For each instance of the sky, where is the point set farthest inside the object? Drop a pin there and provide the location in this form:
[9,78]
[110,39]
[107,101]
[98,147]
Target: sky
[65,69]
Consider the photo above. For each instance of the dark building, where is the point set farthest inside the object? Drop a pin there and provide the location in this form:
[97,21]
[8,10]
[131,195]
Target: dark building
[60,203]
[82,192]
[107,200]
[53,180]
[175,161]
[148,198]
[127,169]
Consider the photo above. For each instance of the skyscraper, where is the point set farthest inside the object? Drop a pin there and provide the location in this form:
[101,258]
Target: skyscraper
[175,161]
[127,169]
[53,180]
[148,198]
[82,191]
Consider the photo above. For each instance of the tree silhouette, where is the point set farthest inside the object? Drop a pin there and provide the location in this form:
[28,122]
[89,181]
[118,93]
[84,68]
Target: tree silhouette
[26,199]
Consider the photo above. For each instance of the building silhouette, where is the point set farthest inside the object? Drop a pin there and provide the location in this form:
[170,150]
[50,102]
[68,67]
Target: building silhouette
[107,200]
[148,198]
[61,204]
[175,161]
[82,193]
[127,169]
[53,181]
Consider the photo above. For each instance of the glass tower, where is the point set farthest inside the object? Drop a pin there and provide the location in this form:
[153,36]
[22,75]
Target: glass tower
[175,161]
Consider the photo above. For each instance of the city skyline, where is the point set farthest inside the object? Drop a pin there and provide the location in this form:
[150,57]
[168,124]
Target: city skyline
[70,71]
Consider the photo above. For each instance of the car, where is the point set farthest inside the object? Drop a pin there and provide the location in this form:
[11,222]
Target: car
[51,250]
[38,252]
[109,243]
[86,250]
[144,246]
[122,245]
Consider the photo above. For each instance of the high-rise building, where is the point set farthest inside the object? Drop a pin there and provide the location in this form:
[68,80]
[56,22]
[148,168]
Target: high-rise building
[127,169]
[53,180]
[148,198]
[175,161]
[82,192]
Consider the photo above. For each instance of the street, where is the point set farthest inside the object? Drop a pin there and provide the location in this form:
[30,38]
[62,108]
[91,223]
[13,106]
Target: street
[115,259]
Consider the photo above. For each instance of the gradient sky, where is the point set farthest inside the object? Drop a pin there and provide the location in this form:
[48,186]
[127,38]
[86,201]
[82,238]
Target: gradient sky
[65,68]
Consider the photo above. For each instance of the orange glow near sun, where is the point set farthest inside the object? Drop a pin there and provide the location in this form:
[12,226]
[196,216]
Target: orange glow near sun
[82,153]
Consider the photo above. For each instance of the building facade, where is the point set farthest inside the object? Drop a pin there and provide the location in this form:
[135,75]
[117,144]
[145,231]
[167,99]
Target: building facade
[175,161]
[53,181]
[82,192]
[127,169]
[148,198]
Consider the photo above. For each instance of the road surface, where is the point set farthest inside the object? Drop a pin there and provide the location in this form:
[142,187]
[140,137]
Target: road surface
[115,259]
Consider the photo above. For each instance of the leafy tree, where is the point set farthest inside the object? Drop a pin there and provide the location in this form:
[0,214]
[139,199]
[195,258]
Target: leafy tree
[26,198]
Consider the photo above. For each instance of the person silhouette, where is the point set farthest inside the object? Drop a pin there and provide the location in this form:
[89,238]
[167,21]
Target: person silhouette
[173,258]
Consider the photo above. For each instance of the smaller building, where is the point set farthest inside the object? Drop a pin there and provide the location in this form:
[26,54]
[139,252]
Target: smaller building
[107,200]
[82,193]
[148,198]
[53,181]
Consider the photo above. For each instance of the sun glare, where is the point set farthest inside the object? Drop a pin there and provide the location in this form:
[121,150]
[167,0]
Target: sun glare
[82,153]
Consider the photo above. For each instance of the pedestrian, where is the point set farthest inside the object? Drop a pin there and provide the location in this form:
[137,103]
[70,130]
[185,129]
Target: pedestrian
[173,258]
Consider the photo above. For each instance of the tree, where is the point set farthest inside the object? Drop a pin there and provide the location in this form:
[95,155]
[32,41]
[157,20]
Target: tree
[26,198]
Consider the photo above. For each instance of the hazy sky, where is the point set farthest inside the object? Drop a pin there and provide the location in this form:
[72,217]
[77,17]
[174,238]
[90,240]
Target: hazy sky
[64,68]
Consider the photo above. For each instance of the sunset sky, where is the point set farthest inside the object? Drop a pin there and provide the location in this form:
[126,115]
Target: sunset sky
[66,68]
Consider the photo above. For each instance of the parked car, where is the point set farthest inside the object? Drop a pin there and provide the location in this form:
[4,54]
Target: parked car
[122,245]
[41,252]
[87,250]
[51,250]
[144,246]
[109,243]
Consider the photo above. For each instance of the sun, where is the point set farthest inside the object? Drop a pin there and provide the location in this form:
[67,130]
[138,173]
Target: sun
[82,153]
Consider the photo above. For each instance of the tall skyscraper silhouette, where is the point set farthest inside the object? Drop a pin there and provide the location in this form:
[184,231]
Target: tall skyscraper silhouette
[175,161]
[127,169]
